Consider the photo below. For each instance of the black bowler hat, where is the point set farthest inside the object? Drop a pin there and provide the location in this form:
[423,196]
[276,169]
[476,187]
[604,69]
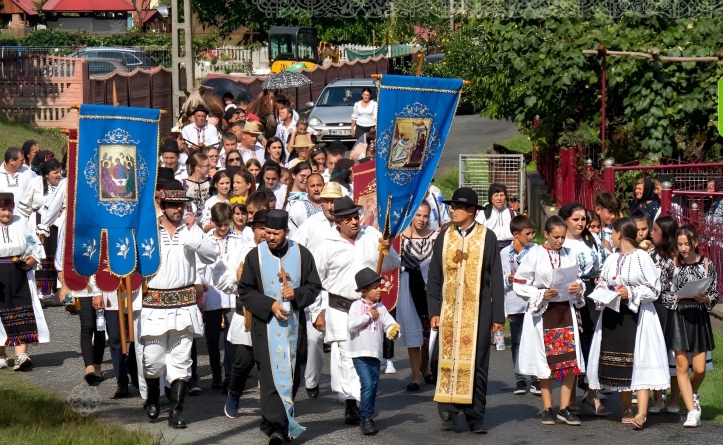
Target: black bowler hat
[173,191]
[277,219]
[345,206]
[170,146]
[7,197]
[466,196]
[281,97]
[365,277]
[165,174]
[259,217]
[200,108]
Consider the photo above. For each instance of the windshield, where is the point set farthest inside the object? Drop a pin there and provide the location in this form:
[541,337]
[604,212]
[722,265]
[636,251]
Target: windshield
[282,46]
[343,96]
[307,45]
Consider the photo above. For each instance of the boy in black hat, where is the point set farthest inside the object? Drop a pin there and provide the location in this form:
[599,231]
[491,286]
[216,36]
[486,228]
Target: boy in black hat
[368,322]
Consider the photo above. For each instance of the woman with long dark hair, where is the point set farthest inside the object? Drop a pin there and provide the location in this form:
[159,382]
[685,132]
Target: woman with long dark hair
[270,176]
[364,115]
[628,348]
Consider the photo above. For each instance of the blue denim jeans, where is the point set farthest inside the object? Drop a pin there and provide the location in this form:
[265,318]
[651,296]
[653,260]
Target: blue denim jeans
[367,368]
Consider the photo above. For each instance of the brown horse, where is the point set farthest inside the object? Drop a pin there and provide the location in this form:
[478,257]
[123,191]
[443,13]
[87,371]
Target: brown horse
[264,106]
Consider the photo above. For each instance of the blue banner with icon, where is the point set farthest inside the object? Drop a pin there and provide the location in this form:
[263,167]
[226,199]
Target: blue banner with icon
[413,121]
[114,189]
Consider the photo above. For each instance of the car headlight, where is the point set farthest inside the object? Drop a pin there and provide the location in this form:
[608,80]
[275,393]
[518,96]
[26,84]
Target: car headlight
[315,121]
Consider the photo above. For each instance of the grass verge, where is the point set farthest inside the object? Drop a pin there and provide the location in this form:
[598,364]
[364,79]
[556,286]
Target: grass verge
[30,416]
[16,133]
[711,395]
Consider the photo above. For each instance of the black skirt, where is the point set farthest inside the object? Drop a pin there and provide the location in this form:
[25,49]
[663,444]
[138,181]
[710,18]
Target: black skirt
[16,305]
[47,277]
[617,348]
[689,329]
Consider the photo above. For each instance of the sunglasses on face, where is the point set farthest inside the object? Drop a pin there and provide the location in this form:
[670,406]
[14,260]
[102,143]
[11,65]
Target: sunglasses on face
[234,159]
[350,218]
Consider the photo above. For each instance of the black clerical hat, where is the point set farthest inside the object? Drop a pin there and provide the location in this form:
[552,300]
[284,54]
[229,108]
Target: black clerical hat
[259,217]
[170,146]
[165,174]
[466,196]
[345,206]
[365,277]
[7,197]
[277,219]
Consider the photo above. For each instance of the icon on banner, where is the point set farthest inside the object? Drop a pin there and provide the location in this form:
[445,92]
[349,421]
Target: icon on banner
[409,143]
[118,173]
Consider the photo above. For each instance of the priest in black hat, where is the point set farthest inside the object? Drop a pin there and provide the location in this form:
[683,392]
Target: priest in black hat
[279,280]
[198,133]
[465,272]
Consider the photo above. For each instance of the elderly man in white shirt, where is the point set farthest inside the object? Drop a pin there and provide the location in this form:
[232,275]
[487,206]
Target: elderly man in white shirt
[311,234]
[15,175]
[170,317]
[248,142]
[344,252]
[199,133]
[496,216]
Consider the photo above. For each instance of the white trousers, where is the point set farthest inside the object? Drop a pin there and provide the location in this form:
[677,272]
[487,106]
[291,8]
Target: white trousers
[344,379]
[169,353]
[142,387]
[315,354]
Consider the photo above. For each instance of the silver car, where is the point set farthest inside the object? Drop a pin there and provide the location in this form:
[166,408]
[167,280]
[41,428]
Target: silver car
[331,114]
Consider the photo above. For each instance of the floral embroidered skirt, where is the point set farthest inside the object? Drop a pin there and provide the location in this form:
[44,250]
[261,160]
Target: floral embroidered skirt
[617,347]
[16,305]
[559,336]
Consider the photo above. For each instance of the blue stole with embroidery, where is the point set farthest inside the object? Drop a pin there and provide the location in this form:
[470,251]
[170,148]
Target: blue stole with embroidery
[282,335]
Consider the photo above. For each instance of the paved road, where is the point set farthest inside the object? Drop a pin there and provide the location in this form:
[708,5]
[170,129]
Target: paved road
[404,418]
[470,134]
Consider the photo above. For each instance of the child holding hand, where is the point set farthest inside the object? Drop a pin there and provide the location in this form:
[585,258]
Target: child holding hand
[368,322]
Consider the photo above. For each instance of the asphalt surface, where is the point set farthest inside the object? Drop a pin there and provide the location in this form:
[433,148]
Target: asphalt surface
[403,417]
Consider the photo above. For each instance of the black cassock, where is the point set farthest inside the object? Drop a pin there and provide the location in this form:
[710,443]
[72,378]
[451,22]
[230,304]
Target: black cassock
[491,309]
[251,296]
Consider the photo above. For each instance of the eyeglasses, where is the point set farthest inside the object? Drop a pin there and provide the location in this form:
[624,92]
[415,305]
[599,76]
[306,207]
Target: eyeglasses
[234,159]
[458,206]
[350,218]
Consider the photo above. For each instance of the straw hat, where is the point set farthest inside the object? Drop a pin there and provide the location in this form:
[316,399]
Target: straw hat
[252,127]
[302,140]
[331,190]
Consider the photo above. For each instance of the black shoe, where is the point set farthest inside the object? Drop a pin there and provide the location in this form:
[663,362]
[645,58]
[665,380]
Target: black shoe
[413,387]
[446,416]
[178,394]
[276,439]
[368,428]
[568,417]
[477,428]
[154,392]
[313,392]
[430,379]
[521,388]
[548,417]
[121,392]
[352,415]
[217,382]
[535,388]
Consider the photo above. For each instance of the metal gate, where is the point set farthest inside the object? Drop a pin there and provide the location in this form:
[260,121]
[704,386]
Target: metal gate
[479,171]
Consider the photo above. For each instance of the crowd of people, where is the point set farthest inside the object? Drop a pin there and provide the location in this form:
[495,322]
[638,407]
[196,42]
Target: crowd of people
[263,255]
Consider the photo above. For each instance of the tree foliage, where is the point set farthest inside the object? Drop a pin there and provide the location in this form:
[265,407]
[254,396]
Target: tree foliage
[533,65]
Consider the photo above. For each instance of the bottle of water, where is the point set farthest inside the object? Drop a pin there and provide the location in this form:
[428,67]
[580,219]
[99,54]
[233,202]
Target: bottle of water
[500,340]
[100,319]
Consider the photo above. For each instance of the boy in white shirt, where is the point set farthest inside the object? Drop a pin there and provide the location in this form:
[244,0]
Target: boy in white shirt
[368,321]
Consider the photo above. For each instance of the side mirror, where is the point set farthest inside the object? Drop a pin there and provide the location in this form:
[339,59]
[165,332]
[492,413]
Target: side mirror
[310,104]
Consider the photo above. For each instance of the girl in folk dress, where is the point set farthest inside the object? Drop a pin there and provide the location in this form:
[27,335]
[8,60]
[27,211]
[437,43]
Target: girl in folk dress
[412,313]
[688,330]
[662,253]
[550,342]
[296,189]
[628,348]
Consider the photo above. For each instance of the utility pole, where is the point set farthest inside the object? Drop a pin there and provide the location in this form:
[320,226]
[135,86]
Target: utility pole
[182,55]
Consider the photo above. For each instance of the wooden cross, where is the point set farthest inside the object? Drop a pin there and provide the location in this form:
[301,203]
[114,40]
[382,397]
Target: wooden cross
[459,256]
[284,276]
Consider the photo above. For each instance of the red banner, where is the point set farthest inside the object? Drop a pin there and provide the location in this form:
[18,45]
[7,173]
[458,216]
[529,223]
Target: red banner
[365,195]
[106,281]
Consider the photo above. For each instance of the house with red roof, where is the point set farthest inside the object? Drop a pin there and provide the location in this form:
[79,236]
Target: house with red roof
[18,16]
[96,16]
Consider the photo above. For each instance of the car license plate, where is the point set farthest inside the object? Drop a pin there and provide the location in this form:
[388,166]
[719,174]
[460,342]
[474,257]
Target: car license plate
[340,132]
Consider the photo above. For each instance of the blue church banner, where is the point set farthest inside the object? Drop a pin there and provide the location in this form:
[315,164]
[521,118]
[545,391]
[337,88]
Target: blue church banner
[413,121]
[115,173]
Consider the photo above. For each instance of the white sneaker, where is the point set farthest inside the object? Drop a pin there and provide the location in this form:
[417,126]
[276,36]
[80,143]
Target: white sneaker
[22,362]
[693,419]
[390,369]
[696,401]
[672,409]
[3,362]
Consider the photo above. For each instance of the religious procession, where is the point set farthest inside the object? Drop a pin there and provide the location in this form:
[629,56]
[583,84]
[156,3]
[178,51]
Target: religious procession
[276,251]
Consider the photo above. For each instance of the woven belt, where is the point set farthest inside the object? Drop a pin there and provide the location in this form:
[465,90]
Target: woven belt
[170,298]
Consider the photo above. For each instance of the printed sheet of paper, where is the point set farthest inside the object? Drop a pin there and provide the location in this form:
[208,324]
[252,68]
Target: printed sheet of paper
[606,297]
[562,278]
[693,288]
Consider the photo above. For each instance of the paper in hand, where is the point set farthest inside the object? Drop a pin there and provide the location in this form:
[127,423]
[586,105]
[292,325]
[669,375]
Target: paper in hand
[693,288]
[562,278]
[606,297]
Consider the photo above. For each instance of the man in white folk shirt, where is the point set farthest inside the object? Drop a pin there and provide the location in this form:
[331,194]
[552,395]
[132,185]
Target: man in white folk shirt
[344,252]
[170,317]
[311,234]
[14,174]
[301,210]
[198,133]
[248,144]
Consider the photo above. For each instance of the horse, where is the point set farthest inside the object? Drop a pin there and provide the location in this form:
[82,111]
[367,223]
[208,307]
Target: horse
[264,106]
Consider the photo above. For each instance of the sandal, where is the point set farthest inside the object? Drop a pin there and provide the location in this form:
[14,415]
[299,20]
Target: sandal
[637,423]
[413,387]
[589,407]
[630,418]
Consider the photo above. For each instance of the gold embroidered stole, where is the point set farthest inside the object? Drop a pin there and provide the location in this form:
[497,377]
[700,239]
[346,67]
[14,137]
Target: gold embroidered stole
[462,271]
